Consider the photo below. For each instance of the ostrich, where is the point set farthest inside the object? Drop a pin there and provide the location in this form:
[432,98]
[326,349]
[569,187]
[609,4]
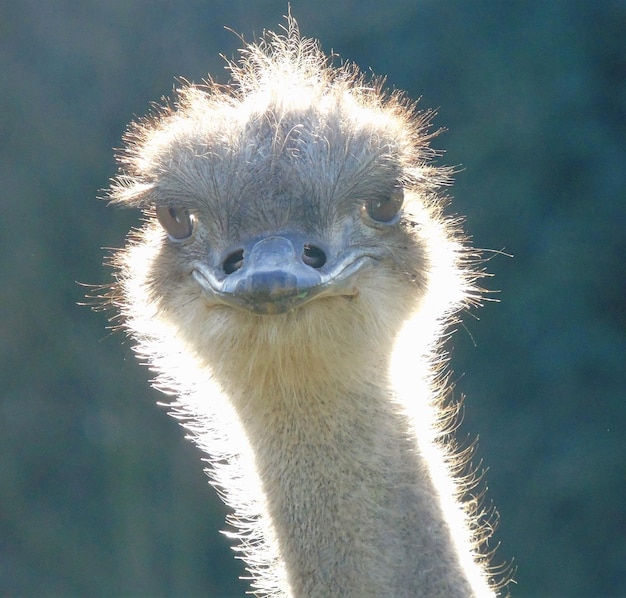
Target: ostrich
[291,286]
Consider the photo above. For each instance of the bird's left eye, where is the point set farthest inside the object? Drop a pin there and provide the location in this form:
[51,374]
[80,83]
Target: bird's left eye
[385,209]
[177,222]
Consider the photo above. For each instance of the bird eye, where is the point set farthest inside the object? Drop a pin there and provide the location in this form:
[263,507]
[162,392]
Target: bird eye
[177,222]
[385,209]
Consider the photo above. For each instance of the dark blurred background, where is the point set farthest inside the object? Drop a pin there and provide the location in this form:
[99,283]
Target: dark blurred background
[99,492]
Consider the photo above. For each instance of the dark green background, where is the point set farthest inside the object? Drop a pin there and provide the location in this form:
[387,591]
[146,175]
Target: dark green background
[100,495]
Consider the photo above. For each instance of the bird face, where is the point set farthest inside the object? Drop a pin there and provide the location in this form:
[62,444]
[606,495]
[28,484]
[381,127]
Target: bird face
[281,210]
[283,269]
[289,210]
[289,224]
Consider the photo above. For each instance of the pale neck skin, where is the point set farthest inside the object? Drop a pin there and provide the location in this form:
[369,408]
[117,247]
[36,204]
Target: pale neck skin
[352,503]
[350,497]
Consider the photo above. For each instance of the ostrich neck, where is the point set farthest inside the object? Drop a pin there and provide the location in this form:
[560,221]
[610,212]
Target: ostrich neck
[349,495]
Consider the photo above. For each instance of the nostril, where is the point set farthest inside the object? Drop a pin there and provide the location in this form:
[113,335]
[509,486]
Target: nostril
[233,262]
[313,256]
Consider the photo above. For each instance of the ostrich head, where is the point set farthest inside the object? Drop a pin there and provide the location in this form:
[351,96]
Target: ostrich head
[294,209]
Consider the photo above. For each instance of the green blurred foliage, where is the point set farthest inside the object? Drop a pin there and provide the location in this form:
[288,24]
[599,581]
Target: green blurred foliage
[100,494]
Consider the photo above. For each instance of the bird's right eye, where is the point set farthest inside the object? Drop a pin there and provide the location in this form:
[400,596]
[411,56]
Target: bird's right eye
[386,210]
[177,222]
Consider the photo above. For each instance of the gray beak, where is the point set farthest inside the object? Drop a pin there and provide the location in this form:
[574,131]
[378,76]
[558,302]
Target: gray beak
[274,275]
[279,272]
